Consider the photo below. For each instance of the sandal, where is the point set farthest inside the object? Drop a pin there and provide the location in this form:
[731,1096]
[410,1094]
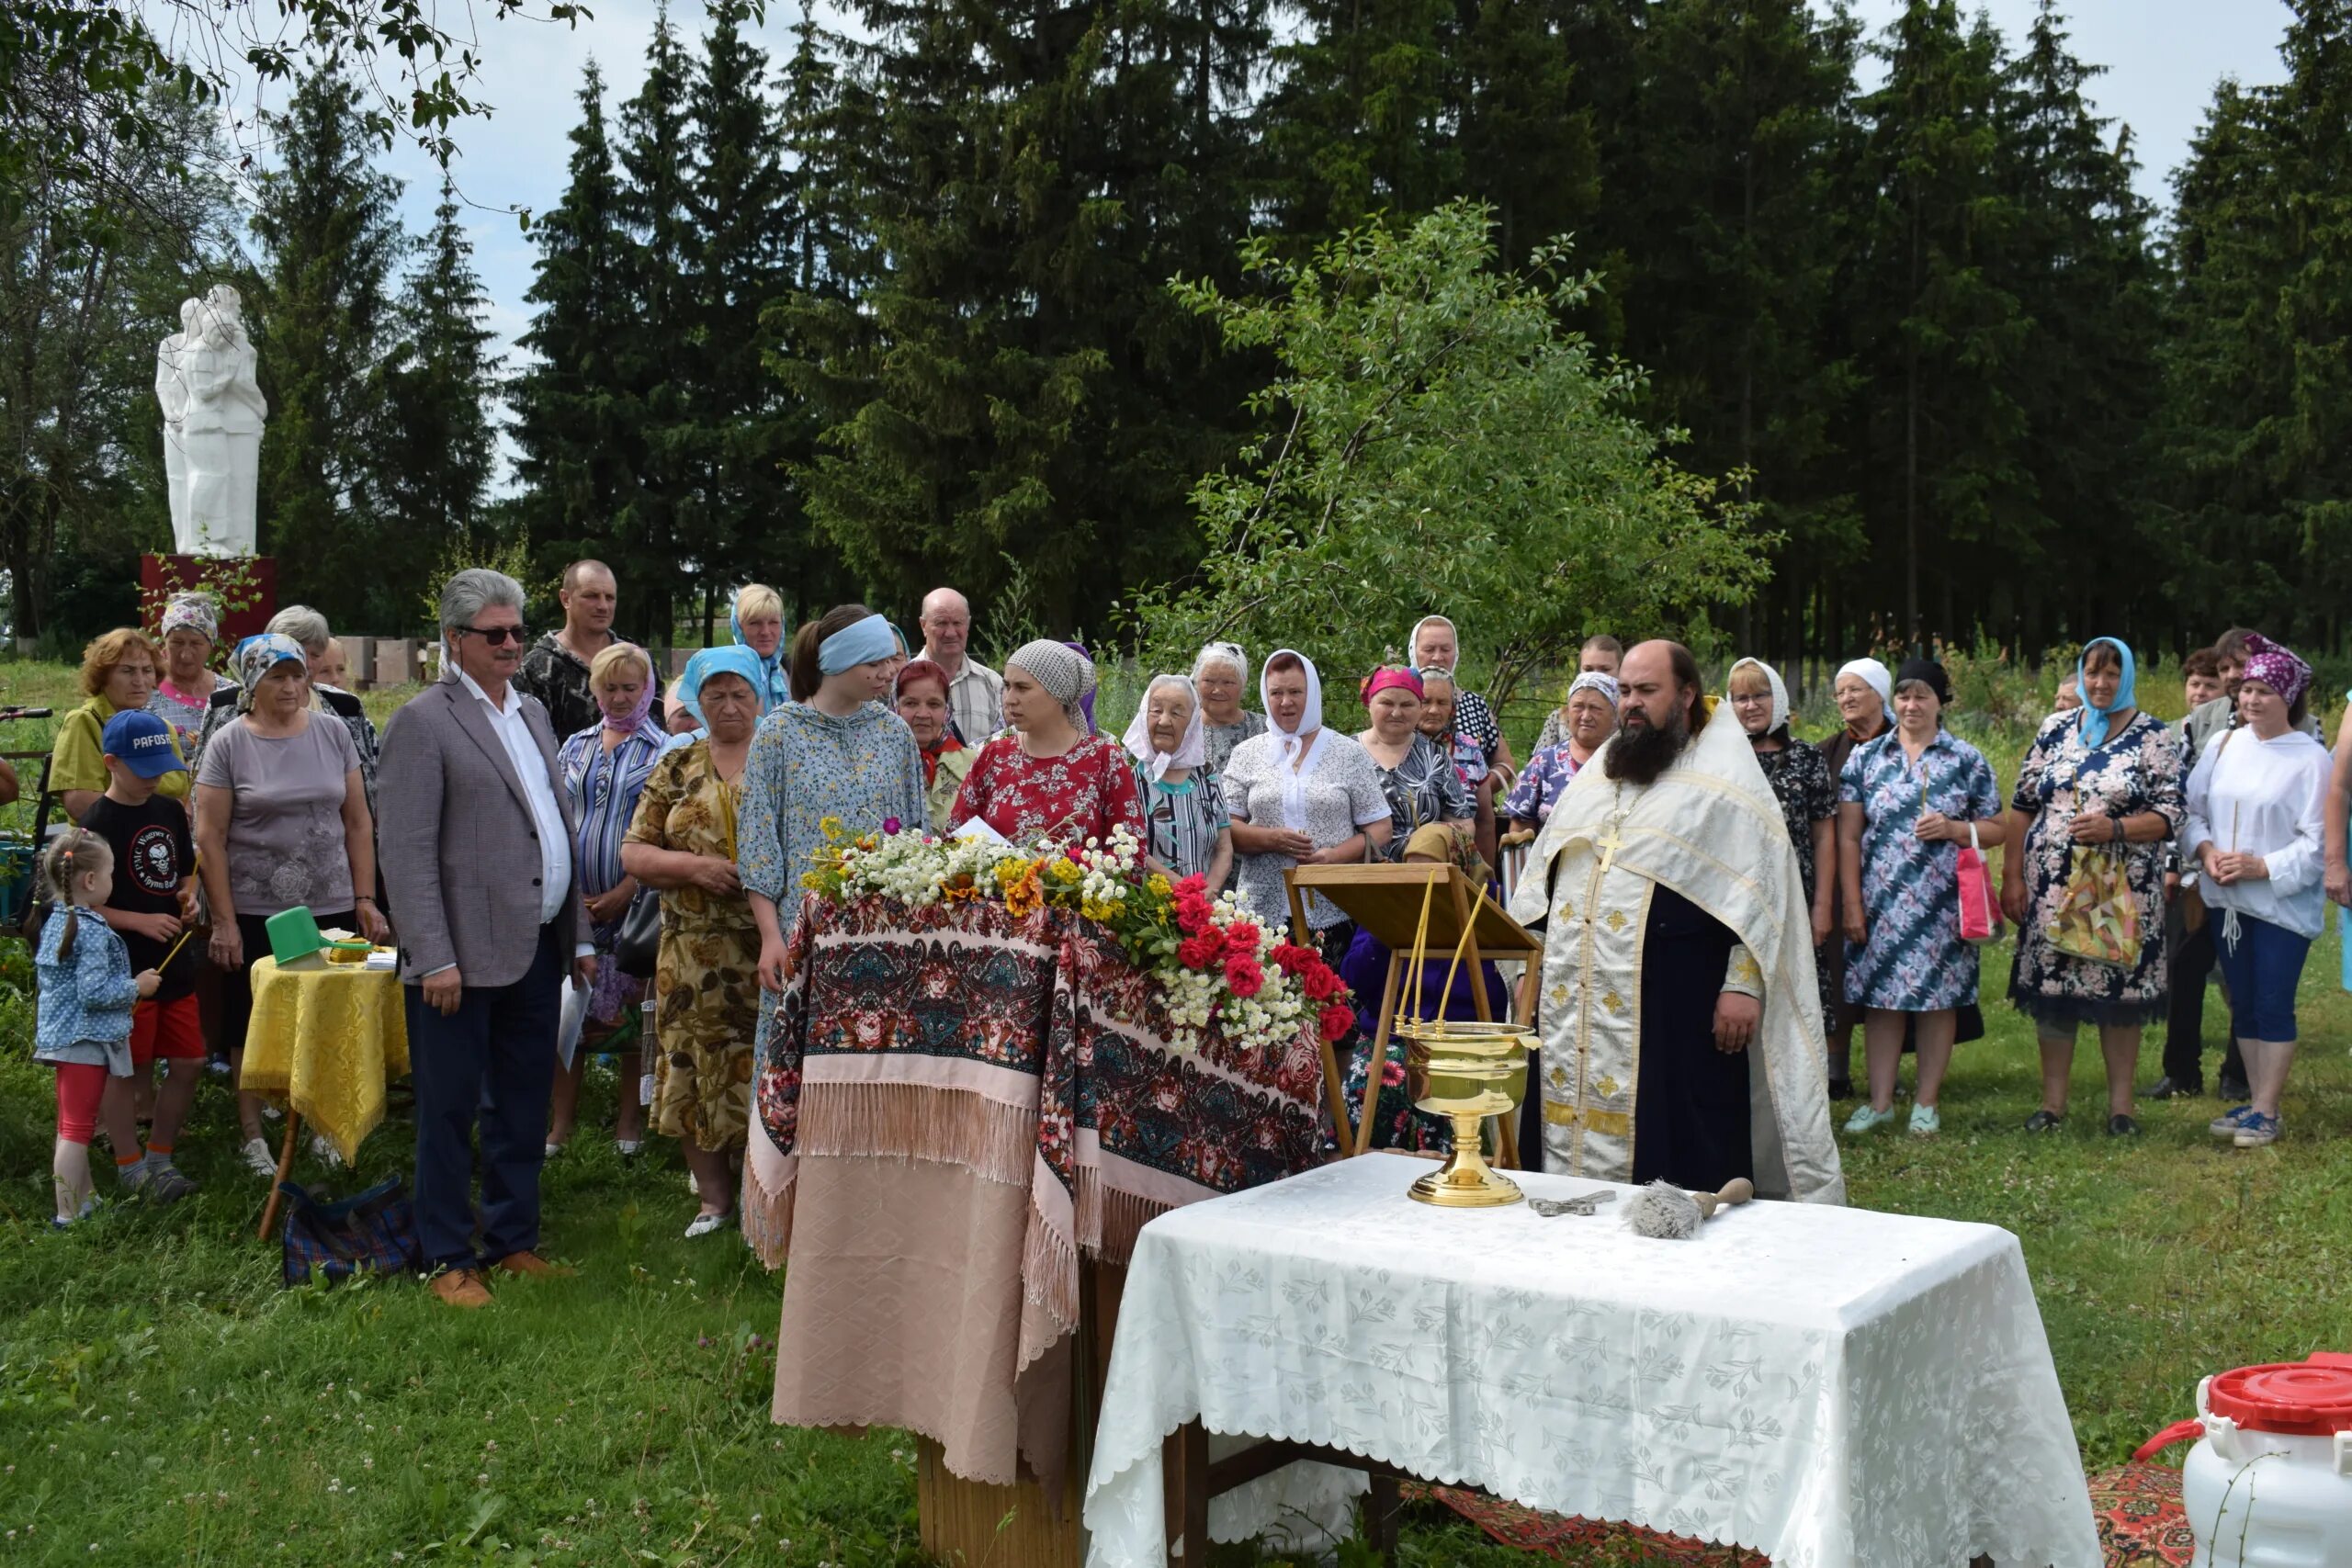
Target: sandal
[703,1225]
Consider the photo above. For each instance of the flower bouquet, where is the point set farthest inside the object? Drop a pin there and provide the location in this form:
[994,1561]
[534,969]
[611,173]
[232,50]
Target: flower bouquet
[1219,969]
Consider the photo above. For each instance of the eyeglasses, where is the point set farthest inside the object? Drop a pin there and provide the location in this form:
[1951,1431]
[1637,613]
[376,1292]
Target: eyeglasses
[495,635]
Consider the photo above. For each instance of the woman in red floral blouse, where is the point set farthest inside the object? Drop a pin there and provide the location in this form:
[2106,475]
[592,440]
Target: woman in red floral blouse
[1050,778]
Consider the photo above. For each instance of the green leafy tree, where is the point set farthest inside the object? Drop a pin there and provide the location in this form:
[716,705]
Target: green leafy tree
[575,424]
[1434,437]
[326,325]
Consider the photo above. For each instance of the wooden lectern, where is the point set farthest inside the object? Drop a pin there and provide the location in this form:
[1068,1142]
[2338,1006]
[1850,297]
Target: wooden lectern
[1387,901]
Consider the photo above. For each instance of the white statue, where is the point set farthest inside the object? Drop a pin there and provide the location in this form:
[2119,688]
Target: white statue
[213,413]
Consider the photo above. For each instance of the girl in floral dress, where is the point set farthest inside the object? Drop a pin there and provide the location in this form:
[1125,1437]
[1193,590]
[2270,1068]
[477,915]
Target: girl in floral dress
[1050,779]
[2102,779]
[1909,800]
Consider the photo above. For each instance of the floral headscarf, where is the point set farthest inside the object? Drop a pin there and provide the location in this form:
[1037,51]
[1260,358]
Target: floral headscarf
[2276,668]
[257,656]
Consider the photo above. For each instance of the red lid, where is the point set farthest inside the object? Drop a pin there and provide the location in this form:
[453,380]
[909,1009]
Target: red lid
[2310,1399]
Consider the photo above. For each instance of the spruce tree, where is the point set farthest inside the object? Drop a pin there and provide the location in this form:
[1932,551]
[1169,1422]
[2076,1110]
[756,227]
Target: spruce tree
[655,365]
[575,424]
[440,447]
[330,241]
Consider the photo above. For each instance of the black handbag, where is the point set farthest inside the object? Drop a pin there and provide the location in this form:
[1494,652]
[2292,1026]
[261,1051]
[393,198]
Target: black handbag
[639,942]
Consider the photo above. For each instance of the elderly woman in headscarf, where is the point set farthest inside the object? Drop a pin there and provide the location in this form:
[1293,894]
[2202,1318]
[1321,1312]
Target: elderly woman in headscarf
[1806,790]
[922,690]
[190,631]
[1864,693]
[1300,795]
[2256,810]
[1220,675]
[2100,789]
[604,768]
[1590,708]
[681,843]
[1050,779]
[1187,831]
[1437,645]
[756,621]
[309,630]
[281,821]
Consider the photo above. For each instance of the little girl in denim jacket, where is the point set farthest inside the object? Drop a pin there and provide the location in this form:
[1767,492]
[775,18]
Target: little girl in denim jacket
[87,994]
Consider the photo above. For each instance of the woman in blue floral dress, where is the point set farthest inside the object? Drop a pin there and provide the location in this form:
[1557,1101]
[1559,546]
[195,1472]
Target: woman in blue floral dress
[1908,801]
[836,751]
[2102,779]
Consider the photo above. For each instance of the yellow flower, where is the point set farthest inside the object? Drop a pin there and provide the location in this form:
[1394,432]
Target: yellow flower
[830,827]
[1023,896]
[1065,872]
[1159,885]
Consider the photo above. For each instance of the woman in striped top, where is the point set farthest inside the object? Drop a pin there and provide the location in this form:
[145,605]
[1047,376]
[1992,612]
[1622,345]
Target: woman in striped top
[1187,831]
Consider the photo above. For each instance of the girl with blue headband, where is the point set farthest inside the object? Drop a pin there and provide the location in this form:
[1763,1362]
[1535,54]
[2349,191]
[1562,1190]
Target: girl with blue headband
[2098,802]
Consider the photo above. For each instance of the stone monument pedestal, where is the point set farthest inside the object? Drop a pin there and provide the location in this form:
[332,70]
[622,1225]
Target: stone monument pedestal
[245,587]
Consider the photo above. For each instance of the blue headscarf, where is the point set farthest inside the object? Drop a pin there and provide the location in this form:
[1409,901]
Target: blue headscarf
[2095,718]
[860,642]
[774,685]
[704,663]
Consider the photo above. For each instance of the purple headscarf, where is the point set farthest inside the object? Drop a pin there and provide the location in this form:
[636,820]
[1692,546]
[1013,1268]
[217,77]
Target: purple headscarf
[2276,668]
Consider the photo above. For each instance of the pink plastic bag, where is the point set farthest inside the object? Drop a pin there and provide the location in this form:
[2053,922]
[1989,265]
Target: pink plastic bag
[1980,912]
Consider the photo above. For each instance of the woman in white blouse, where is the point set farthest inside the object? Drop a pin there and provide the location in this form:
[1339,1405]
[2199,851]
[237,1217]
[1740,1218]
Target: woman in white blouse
[2254,805]
[1300,795]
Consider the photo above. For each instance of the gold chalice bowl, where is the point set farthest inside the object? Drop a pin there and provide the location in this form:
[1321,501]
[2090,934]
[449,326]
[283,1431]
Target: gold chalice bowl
[1469,1072]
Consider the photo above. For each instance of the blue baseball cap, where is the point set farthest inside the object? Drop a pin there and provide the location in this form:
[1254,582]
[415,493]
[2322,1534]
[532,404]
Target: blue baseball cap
[141,742]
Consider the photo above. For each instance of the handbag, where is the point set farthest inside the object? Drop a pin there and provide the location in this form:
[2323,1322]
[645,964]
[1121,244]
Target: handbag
[2098,917]
[374,1230]
[1980,912]
[640,942]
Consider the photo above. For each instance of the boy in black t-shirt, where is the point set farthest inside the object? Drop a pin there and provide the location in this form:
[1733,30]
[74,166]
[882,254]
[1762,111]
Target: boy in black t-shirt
[153,901]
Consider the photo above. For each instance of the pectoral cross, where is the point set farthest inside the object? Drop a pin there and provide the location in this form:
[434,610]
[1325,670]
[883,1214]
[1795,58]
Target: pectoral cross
[1609,843]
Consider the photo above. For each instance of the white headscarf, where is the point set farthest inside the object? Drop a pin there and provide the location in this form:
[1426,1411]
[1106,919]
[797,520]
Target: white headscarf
[1413,642]
[1191,751]
[1292,767]
[1874,675]
[1780,692]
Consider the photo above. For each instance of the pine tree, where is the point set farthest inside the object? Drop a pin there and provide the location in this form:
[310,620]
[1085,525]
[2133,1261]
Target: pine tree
[575,426]
[1941,436]
[1737,222]
[653,368]
[440,447]
[1364,115]
[742,430]
[331,241]
[1012,379]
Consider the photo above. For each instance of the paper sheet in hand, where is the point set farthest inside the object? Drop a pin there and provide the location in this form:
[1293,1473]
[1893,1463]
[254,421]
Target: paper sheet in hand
[978,830]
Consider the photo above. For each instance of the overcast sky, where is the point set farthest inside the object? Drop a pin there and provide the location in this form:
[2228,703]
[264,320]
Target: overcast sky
[2162,59]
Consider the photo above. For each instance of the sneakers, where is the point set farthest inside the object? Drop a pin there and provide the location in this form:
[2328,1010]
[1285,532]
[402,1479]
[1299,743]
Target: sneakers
[2169,1088]
[1925,1123]
[165,1184]
[257,1157]
[2227,1123]
[461,1287]
[2256,1131]
[322,1149]
[1865,1119]
[2044,1120]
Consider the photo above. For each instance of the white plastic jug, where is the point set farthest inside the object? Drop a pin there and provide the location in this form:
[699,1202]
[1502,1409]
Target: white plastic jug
[2269,1482]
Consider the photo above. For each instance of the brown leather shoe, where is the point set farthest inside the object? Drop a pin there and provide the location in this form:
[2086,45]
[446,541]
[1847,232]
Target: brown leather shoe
[461,1287]
[533,1265]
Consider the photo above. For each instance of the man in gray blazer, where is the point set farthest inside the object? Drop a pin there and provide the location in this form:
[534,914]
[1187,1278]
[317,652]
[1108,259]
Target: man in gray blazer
[475,841]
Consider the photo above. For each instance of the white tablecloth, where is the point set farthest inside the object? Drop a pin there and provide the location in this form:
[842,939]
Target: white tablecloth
[1830,1386]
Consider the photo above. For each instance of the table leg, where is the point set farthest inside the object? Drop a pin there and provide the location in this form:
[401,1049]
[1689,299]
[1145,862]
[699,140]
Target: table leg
[285,1165]
[1193,1439]
[1383,1506]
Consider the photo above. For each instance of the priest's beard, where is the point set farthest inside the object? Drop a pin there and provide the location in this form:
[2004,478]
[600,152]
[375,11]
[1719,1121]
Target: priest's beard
[1644,751]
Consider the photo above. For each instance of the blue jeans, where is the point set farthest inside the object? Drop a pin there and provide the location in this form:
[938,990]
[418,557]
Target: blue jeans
[492,1061]
[2263,967]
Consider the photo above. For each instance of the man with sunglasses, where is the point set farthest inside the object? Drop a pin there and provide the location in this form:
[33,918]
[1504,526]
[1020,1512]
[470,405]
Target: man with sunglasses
[476,846]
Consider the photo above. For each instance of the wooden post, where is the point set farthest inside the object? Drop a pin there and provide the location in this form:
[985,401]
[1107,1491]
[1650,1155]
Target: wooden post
[285,1166]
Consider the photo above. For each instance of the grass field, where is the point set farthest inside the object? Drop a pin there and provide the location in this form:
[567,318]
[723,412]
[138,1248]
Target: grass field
[163,1400]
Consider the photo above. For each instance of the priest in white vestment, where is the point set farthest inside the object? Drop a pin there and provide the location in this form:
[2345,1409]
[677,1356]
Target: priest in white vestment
[1680,1014]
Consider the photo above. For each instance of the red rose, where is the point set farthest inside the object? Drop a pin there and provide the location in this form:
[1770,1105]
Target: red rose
[1192,886]
[1336,1021]
[1320,983]
[1292,959]
[1242,936]
[1192,916]
[1243,977]
[1199,952]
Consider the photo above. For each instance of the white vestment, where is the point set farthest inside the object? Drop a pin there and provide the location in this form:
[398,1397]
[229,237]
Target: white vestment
[1711,830]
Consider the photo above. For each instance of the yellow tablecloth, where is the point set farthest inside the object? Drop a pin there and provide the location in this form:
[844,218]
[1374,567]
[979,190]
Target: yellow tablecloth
[326,1041]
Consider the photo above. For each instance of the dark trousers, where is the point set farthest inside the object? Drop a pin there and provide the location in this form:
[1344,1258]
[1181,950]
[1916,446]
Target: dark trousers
[491,1061]
[2192,965]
